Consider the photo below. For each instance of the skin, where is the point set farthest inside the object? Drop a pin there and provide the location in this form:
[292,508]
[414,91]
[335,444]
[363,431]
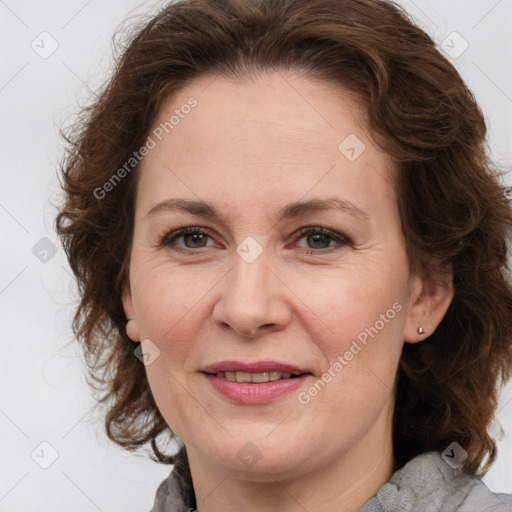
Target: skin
[249,147]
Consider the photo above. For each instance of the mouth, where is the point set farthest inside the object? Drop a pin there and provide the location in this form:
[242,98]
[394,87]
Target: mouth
[255,383]
[258,377]
[257,372]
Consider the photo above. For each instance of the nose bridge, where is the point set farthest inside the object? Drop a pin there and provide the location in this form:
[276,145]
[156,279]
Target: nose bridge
[250,275]
[250,284]
[251,266]
[252,295]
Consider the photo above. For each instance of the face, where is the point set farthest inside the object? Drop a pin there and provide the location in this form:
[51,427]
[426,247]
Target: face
[257,290]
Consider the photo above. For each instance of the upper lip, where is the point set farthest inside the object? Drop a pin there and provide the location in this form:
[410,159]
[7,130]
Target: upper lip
[255,367]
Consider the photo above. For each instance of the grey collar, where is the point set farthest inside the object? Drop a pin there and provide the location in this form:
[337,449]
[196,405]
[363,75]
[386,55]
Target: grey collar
[425,484]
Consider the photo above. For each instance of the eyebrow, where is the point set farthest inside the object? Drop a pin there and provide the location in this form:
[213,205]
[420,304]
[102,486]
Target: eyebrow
[289,211]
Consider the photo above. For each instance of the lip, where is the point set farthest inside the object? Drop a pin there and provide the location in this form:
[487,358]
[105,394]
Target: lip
[255,367]
[251,392]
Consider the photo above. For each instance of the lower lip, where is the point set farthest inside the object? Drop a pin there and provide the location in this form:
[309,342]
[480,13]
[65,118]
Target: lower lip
[253,393]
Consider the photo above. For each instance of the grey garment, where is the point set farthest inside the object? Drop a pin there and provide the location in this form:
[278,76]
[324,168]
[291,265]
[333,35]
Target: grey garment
[428,484]
[425,484]
[168,497]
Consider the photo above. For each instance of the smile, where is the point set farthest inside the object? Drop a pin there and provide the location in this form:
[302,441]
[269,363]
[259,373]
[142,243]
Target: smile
[254,383]
[258,378]
[255,392]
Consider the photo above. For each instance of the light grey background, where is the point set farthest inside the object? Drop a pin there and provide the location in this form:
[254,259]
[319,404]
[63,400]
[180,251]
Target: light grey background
[44,397]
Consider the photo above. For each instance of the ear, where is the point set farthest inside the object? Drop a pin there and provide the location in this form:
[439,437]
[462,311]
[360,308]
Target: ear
[431,296]
[132,328]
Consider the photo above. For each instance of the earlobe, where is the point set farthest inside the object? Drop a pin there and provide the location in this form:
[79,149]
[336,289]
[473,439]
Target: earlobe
[132,328]
[430,304]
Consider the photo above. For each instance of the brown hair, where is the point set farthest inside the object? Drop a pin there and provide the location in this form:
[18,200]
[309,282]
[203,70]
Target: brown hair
[452,206]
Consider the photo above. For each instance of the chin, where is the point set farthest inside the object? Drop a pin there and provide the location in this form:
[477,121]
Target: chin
[254,455]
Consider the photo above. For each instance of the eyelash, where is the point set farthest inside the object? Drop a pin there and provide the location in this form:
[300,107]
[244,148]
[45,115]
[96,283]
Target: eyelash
[167,240]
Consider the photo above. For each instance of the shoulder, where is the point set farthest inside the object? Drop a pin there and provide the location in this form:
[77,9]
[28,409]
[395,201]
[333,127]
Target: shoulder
[476,496]
[428,484]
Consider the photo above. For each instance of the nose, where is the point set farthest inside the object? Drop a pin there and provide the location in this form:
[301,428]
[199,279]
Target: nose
[254,299]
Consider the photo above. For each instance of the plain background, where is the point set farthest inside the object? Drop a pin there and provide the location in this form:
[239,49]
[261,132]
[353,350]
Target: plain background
[44,397]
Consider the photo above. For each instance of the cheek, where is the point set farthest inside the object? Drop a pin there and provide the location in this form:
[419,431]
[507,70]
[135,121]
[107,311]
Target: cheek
[168,303]
[352,303]
[339,314]
[336,307]
[361,340]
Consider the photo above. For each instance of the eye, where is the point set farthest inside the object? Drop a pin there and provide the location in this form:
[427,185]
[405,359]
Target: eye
[194,238]
[197,238]
[320,239]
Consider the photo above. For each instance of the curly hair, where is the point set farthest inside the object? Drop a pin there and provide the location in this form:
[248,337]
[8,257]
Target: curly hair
[452,203]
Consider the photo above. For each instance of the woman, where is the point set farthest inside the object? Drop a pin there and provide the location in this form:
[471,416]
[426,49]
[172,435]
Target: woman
[291,248]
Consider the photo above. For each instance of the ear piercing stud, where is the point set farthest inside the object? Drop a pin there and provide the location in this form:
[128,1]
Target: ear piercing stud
[421,330]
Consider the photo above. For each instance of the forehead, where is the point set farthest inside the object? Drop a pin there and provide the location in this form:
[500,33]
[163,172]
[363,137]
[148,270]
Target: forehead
[277,133]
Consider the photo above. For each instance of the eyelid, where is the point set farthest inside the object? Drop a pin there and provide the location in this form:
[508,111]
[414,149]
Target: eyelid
[172,235]
[324,231]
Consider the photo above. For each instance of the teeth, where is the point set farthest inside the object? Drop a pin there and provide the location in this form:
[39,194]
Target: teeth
[260,377]
[253,377]
[243,377]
